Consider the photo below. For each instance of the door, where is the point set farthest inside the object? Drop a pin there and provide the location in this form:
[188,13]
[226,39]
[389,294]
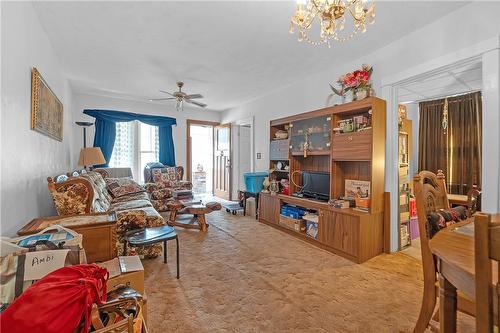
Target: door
[222,161]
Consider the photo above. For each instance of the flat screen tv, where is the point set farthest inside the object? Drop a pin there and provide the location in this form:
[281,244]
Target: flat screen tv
[316,185]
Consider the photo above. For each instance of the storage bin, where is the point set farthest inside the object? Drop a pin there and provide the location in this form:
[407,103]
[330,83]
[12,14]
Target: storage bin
[254,181]
[297,225]
[312,229]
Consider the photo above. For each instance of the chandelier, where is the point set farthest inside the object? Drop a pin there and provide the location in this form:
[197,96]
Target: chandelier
[331,16]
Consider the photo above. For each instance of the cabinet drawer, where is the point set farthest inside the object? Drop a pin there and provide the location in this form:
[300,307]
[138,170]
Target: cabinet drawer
[352,146]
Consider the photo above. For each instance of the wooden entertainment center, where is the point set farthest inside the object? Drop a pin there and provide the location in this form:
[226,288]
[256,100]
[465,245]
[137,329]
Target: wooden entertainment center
[315,144]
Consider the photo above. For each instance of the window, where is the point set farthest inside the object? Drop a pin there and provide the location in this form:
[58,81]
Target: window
[149,146]
[136,144]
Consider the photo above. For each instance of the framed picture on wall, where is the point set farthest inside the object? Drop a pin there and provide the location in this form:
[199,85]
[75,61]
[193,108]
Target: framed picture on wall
[46,108]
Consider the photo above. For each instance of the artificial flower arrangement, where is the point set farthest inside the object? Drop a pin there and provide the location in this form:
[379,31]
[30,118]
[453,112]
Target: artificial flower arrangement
[356,81]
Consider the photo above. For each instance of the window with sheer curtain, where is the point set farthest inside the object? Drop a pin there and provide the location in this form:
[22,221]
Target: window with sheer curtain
[136,144]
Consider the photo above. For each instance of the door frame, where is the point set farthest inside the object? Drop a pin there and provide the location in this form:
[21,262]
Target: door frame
[229,125]
[190,122]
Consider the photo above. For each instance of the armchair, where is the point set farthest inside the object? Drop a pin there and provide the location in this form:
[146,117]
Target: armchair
[163,181]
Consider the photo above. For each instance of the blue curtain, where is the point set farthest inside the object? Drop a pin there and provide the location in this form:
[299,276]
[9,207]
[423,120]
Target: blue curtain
[104,138]
[105,129]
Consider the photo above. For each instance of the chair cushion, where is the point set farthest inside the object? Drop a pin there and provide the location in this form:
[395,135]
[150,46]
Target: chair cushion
[130,197]
[130,204]
[170,175]
[444,217]
[102,199]
[123,186]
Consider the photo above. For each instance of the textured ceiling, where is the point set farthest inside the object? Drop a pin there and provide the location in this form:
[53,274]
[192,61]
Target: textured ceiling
[231,52]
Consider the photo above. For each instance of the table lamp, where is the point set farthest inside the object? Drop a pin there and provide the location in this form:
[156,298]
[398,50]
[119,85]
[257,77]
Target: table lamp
[91,156]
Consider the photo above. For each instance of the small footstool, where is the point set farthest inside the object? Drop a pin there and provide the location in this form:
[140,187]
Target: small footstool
[198,212]
[149,236]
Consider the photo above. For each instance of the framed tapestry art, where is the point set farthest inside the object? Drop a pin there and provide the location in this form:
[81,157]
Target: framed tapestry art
[46,108]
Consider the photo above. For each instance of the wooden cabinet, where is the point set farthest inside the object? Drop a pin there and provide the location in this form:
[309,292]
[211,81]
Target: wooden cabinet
[269,208]
[339,231]
[356,146]
[317,146]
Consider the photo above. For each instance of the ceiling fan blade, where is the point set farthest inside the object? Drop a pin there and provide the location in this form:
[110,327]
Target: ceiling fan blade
[193,96]
[166,92]
[196,103]
[161,99]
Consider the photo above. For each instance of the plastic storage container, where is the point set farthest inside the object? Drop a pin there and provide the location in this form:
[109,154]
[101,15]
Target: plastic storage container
[254,181]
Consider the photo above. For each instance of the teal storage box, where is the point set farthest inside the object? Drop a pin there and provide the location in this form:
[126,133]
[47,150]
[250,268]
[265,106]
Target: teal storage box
[254,181]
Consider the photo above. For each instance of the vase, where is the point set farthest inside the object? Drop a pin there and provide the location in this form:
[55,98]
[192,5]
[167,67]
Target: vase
[360,93]
[266,184]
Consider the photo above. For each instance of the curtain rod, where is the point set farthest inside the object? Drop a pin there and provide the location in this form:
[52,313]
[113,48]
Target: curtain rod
[430,99]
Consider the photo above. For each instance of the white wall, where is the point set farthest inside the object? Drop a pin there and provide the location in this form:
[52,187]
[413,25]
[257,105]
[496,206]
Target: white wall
[179,132]
[28,157]
[413,112]
[457,31]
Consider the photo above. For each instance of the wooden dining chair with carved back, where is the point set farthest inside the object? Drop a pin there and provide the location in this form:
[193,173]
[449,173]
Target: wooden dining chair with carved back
[486,250]
[430,196]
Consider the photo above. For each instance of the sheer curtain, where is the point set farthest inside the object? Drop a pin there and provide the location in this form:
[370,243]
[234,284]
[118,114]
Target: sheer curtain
[458,152]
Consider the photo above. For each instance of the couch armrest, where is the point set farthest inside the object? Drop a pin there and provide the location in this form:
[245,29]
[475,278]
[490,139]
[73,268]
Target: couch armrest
[73,196]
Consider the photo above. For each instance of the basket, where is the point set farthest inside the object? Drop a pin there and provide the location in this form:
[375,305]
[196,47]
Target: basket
[297,225]
[254,181]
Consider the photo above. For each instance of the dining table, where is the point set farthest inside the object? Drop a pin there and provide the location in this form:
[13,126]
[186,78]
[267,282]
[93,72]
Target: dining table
[453,249]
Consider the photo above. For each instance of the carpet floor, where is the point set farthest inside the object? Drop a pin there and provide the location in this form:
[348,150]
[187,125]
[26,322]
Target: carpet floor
[243,276]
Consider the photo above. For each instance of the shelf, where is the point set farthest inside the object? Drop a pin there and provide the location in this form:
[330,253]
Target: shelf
[302,135]
[284,171]
[312,153]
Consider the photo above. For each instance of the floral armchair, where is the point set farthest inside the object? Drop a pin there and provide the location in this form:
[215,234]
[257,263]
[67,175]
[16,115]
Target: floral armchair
[164,182]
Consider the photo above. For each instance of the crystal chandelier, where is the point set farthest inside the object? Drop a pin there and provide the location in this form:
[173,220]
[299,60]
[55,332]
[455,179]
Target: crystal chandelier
[331,15]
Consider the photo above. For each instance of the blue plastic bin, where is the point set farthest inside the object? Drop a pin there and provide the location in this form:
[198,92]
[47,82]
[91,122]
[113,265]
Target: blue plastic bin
[254,181]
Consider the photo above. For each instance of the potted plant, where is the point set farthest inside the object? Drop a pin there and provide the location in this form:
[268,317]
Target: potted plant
[358,82]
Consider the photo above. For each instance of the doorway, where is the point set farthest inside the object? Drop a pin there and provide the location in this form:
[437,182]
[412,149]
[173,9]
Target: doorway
[200,156]
[439,122]
[243,153]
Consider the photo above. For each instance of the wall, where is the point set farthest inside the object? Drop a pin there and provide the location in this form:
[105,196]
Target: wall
[434,41]
[414,115]
[28,157]
[179,132]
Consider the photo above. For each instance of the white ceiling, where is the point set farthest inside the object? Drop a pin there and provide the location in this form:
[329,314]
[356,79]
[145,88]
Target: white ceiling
[231,52]
[455,81]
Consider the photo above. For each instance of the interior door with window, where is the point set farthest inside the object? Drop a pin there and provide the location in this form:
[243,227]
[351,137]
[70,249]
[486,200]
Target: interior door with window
[222,161]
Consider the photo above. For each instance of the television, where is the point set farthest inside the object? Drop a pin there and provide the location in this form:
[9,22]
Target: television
[316,185]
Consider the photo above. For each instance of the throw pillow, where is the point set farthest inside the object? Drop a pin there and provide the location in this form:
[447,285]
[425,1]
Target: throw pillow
[444,217]
[123,186]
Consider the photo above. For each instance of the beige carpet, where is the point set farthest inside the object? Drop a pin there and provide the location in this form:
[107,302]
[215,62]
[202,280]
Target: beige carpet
[243,276]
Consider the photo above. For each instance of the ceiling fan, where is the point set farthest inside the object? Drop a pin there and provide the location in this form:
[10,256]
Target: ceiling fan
[181,97]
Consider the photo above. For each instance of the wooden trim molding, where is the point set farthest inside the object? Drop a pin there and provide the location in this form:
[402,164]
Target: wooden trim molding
[190,122]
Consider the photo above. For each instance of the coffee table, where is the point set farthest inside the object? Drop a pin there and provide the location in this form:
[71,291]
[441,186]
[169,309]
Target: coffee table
[150,236]
[198,211]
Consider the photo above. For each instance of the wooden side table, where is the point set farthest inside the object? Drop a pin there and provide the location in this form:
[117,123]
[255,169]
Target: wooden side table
[98,231]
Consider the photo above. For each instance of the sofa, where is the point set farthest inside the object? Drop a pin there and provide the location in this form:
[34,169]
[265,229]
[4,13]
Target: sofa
[87,193]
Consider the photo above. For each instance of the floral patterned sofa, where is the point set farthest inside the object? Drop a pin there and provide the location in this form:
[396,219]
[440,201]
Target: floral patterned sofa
[87,193]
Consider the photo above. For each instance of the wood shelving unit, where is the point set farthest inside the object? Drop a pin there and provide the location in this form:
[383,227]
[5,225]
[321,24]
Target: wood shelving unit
[354,234]
[405,185]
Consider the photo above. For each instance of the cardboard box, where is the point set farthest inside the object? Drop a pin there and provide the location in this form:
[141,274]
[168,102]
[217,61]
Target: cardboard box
[125,270]
[297,225]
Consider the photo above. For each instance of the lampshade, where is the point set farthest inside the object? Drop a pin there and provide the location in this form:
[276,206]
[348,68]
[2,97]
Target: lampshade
[91,156]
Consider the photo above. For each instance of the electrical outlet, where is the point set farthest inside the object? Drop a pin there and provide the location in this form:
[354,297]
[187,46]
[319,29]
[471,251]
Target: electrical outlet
[259,156]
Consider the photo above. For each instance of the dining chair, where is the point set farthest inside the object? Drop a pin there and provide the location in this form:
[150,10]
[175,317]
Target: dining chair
[430,196]
[486,249]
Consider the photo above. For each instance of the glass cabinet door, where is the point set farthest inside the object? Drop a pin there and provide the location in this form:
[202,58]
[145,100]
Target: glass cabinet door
[311,135]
